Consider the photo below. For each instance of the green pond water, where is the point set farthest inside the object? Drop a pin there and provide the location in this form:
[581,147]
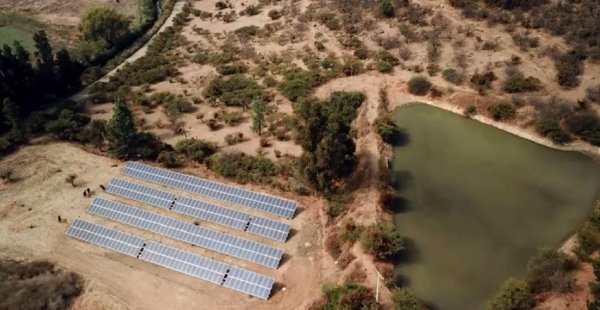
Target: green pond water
[478,203]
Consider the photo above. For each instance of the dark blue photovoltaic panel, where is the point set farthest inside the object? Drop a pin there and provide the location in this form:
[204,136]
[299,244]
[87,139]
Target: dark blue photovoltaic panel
[106,237]
[211,213]
[249,282]
[269,228]
[203,237]
[262,202]
[137,192]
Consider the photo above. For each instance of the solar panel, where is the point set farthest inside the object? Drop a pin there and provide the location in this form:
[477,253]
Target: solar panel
[185,262]
[137,192]
[259,201]
[106,237]
[182,261]
[249,282]
[211,213]
[200,209]
[268,228]
[204,237]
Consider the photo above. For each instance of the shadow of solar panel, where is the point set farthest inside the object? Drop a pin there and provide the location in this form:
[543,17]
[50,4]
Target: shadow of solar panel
[259,201]
[185,262]
[211,213]
[137,192]
[204,237]
[249,282]
[106,237]
[269,228]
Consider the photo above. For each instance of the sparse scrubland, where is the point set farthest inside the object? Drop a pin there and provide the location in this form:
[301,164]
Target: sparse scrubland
[244,90]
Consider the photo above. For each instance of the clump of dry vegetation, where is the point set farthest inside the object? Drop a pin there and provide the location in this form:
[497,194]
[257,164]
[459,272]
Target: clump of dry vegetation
[37,285]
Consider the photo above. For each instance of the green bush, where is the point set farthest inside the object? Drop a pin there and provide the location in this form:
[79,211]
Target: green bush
[197,150]
[237,90]
[169,159]
[348,296]
[388,130]
[362,53]
[234,68]
[569,67]
[483,81]
[243,167]
[549,271]
[297,84]
[386,9]
[586,125]
[550,127]
[419,85]
[349,231]
[518,83]
[172,104]
[405,300]
[514,295]
[502,111]
[383,241]
[452,76]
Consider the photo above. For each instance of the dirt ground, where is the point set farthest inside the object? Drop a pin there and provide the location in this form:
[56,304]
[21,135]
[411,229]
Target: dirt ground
[61,18]
[29,229]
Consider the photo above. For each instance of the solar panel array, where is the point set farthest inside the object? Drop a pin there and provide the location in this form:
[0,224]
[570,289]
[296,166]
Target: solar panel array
[106,237]
[185,262]
[149,195]
[249,282]
[259,201]
[195,265]
[199,209]
[204,237]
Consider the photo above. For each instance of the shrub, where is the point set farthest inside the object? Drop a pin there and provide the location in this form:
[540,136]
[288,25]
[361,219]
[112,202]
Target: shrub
[247,31]
[169,159]
[386,9]
[269,81]
[172,104]
[419,85]
[251,10]
[518,83]
[569,67]
[349,231]
[234,68]
[388,130]
[548,271]
[348,296]
[298,83]
[362,52]
[37,285]
[514,294]
[550,127]
[452,76]
[586,125]
[405,300]
[470,111]
[243,167]
[274,14]
[197,150]
[502,111]
[237,90]
[234,138]
[336,203]
[483,81]
[593,93]
[383,241]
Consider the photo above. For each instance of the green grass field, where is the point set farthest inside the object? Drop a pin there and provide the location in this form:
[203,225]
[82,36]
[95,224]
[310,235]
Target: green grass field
[13,27]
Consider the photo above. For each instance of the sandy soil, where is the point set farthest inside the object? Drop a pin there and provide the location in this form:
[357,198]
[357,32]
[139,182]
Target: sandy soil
[29,229]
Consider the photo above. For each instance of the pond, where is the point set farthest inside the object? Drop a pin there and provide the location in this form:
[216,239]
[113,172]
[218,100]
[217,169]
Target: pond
[478,203]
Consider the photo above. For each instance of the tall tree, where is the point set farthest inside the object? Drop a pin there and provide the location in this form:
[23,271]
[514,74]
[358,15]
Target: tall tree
[105,24]
[10,110]
[44,65]
[67,72]
[259,109]
[121,130]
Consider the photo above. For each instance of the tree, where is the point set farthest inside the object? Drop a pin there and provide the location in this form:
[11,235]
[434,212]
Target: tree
[106,25]
[258,116]
[514,295]
[548,271]
[383,241]
[386,9]
[121,130]
[405,300]
[419,85]
[67,72]
[10,110]
[45,79]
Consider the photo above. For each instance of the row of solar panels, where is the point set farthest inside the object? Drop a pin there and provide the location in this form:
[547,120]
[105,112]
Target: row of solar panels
[200,236]
[194,265]
[259,201]
[200,209]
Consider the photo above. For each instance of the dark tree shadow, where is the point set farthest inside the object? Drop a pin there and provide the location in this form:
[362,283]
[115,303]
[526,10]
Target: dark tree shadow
[401,179]
[400,138]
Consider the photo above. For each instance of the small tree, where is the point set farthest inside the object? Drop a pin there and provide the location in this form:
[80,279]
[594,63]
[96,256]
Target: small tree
[405,300]
[419,85]
[514,295]
[104,24]
[258,116]
[383,241]
[121,129]
[386,9]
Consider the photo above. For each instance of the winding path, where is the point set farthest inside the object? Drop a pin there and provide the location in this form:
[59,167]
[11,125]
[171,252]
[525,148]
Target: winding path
[135,56]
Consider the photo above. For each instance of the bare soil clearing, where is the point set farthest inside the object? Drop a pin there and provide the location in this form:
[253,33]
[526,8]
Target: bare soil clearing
[29,229]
